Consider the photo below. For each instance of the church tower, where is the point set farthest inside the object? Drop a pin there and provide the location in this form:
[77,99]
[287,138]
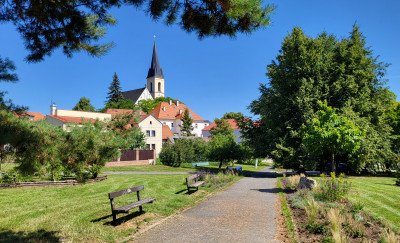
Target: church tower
[155,77]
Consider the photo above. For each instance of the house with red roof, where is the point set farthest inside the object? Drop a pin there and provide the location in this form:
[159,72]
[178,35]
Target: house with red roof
[170,114]
[150,126]
[236,130]
[32,116]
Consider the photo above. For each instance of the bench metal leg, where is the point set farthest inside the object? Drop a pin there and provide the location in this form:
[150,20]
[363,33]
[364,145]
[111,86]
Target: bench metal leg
[141,209]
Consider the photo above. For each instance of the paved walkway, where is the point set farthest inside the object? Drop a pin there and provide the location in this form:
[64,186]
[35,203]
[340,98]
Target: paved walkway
[244,212]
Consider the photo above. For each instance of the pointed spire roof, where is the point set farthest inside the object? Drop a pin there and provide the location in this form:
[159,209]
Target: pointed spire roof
[155,70]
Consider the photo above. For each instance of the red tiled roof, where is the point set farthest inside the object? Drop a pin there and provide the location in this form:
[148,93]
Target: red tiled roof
[26,114]
[70,119]
[172,112]
[231,122]
[166,132]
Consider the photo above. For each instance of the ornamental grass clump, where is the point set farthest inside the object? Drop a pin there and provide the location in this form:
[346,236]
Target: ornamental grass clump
[333,188]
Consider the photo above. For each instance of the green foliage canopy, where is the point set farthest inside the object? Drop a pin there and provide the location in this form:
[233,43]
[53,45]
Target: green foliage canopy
[222,127]
[76,25]
[83,105]
[329,133]
[233,115]
[343,72]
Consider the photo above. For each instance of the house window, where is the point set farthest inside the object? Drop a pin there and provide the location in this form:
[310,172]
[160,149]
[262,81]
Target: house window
[172,124]
[195,125]
[148,133]
[151,122]
[150,146]
[159,87]
[164,123]
[153,133]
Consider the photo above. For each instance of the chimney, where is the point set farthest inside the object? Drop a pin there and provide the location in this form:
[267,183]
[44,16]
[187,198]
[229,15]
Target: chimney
[53,108]
[177,103]
[170,102]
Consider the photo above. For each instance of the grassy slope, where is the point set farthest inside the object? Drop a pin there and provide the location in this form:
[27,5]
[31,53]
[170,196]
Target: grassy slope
[82,213]
[380,196]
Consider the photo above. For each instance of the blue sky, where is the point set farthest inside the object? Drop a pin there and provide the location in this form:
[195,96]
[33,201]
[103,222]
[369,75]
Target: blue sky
[211,76]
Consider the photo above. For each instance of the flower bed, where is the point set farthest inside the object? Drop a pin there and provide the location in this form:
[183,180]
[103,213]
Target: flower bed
[324,214]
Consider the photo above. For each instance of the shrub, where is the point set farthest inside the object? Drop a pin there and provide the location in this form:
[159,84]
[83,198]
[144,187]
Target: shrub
[332,188]
[218,180]
[184,150]
[316,228]
[398,178]
[297,201]
[294,180]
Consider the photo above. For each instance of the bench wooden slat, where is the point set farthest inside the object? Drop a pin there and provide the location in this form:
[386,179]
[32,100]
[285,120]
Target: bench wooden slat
[192,177]
[197,184]
[125,191]
[126,208]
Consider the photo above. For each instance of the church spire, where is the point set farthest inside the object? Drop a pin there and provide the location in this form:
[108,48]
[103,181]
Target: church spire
[155,70]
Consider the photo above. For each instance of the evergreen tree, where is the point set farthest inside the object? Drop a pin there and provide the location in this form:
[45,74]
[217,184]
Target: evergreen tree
[83,105]
[77,25]
[7,74]
[114,94]
[187,122]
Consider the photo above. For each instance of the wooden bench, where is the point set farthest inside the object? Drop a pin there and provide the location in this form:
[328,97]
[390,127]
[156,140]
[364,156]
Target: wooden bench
[126,208]
[193,182]
[201,163]
[312,173]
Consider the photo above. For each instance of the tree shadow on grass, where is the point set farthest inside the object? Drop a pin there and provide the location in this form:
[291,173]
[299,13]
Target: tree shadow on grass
[38,236]
[119,220]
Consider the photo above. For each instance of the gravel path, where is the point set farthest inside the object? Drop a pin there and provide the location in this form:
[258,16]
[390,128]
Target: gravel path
[244,212]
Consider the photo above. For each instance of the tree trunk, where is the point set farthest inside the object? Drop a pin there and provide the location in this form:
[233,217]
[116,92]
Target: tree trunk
[333,167]
[220,165]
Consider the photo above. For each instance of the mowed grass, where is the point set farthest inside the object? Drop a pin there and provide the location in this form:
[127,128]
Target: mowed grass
[380,196]
[82,213]
[213,167]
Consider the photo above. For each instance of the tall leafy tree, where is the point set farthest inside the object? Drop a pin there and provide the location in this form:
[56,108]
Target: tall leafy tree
[114,93]
[222,127]
[223,148]
[77,25]
[233,115]
[187,122]
[342,71]
[329,133]
[83,105]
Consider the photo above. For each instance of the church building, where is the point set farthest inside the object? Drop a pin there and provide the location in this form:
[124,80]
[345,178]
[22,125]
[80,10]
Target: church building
[155,83]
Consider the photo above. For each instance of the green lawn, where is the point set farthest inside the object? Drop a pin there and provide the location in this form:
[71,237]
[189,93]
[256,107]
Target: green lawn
[213,167]
[82,213]
[380,196]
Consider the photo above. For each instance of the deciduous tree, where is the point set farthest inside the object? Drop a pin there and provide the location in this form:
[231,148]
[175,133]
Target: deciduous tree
[342,71]
[83,105]
[329,133]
